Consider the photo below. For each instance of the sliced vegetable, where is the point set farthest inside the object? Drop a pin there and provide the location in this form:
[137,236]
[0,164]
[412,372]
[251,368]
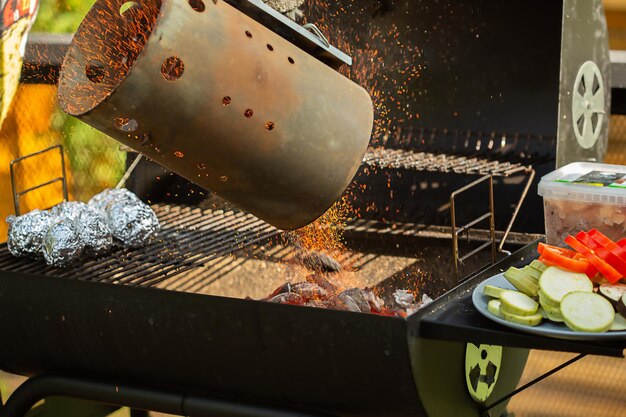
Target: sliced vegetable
[621,306]
[532,273]
[610,273]
[603,252]
[520,280]
[566,259]
[492,291]
[587,312]
[532,320]
[538,265]
[493,306]
[619,323]
[555,283]
[553,315]
[611,246]
[515,302]
[612,292]
[546,302]
[622,243]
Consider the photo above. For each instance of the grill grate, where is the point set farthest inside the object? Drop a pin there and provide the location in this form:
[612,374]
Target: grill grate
[189,238]
[424,161]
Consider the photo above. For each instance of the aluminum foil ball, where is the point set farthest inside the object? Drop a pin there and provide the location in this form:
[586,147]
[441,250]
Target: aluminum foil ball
[70,210]
[62,245]
[133,225]
[26,233]
[102,201]
[94,232]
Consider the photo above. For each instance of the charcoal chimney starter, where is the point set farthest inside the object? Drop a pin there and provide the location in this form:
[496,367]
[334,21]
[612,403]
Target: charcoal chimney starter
[213,95]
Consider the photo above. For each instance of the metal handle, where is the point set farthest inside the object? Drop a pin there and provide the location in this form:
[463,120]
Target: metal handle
[315,30]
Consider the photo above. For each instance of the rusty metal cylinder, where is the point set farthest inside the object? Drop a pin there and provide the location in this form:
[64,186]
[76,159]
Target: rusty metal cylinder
[218,98]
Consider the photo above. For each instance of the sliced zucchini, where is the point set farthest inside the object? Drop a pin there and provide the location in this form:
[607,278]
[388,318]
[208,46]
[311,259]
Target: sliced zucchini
[552,314]
[612,292]
[538,265]
[493,306]
[518,303]
[532,273]
[587,312]
[619,323]
[532,320]
[555,283]
[492,291]
[545,301]
[521,281]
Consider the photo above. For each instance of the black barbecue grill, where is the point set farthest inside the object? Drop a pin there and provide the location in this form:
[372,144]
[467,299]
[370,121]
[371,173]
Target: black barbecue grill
[167,327]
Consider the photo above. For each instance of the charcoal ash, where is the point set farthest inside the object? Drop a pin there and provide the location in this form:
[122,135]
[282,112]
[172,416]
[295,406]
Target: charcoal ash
[316,261]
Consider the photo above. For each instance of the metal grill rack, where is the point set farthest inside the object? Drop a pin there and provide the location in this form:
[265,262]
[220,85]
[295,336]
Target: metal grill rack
[426,161]
[189,238]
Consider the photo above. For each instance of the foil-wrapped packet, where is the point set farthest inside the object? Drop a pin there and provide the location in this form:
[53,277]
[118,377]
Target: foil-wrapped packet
[90,224]
[133,225]
[94,232]
[71,210]
[26,233]
[62,244]
[102,201]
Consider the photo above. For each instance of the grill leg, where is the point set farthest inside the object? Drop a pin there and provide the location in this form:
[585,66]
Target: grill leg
[135,397]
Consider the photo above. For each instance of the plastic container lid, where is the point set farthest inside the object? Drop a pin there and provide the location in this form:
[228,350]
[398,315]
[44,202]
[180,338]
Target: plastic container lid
[586,182]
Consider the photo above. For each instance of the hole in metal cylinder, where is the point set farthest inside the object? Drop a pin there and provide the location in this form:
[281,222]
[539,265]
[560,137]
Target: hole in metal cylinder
[226,100]
[291,61]
[269,126]
[248,113]
[270,47]
[197,5]
[248,34]
[95,72]
[172,68]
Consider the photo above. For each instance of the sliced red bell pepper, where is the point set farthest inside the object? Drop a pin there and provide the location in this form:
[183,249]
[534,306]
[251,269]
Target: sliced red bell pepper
[622,243]
[602,252]
[566,259]
[610,273]
[608,244]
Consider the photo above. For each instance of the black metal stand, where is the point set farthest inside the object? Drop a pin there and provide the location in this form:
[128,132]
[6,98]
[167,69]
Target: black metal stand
[135,397]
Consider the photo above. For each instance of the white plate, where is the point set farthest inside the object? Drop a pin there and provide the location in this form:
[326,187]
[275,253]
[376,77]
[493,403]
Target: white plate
[546,328]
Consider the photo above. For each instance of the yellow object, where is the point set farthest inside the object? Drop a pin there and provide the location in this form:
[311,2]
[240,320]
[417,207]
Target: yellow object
[27,129]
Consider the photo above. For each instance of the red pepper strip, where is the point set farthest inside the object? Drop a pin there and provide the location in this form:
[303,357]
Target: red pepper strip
[608,244]
[564,251]
[563,261]
[622,243]
[604,268]
[602,252]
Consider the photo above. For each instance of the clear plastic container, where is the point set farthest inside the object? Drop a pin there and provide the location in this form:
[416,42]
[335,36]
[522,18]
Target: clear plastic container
[583,196]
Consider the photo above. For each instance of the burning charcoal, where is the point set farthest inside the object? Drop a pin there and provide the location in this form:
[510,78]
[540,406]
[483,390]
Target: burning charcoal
[318,261]
[102,201]
[404,298]
[343,302]
[358,297]
[26,233]
[70,210]
[285,288]
[94,232]
[287,298]
[377,305]
[61,244]
[133,225]
[309,291]
[322,282]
